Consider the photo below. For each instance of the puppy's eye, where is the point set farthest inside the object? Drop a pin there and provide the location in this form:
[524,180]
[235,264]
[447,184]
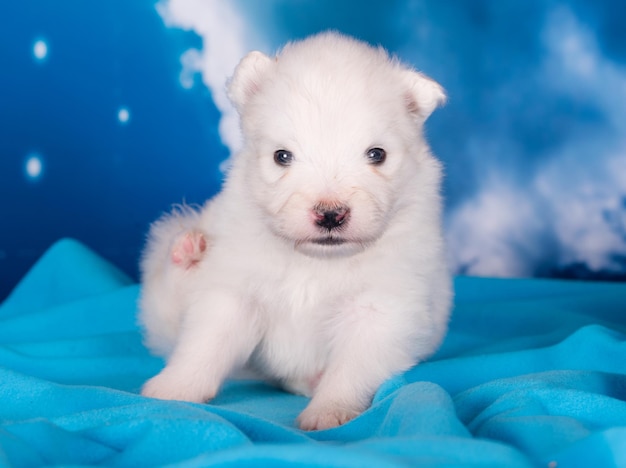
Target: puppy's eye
[283,157]
[376,156]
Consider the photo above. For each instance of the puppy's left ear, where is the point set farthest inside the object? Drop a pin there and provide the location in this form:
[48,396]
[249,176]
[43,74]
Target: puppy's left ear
[248,78]
[423,95]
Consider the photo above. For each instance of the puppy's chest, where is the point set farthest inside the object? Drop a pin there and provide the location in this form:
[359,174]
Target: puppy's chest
[297,328]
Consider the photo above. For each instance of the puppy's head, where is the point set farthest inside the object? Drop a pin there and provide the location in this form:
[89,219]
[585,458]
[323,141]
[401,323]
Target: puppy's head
[333,140]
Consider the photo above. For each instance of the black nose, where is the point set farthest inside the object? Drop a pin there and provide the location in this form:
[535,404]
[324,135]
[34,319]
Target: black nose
[331,218]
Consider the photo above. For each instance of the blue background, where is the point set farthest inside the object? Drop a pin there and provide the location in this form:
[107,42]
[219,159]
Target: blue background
[533,137]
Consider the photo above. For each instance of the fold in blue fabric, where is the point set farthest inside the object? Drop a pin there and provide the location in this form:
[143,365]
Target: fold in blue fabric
[532,373]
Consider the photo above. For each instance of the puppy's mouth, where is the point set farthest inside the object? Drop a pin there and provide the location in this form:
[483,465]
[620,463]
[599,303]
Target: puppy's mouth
[330,246]
[328,241]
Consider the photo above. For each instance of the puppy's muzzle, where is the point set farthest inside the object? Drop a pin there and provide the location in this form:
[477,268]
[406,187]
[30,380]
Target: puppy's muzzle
[331,217]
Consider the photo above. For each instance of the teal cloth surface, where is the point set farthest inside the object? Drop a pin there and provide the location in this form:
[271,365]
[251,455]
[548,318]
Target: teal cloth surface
[532,373]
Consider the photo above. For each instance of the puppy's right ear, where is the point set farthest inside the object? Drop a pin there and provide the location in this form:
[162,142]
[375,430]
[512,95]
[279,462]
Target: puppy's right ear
[424,94]
[247,79]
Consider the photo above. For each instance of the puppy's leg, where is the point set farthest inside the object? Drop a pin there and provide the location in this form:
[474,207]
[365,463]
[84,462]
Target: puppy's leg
[368,347]
[218,334]
[174,245]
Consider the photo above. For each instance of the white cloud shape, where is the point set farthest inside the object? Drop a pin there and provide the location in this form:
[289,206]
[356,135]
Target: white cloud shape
[498,232]
[226,38]
[572,208]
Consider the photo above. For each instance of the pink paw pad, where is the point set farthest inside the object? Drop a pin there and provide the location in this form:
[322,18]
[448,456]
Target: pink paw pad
[189,249]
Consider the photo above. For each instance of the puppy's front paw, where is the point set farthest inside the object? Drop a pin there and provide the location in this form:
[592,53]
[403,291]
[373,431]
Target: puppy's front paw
[188,249]
[169,386]
[316,418]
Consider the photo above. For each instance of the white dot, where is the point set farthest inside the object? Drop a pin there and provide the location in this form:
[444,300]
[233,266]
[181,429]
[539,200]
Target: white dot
[40,49]
[123,115]
[34,167]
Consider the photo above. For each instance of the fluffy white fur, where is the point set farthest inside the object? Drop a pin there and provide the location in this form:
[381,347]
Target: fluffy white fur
[331,311]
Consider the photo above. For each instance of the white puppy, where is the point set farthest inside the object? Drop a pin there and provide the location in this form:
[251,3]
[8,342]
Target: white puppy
[321,262]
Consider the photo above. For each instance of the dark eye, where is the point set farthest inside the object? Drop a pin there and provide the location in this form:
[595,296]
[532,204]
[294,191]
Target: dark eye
[283,157]
[376,156]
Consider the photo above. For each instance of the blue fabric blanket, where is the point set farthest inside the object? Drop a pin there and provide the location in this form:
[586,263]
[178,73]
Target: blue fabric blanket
[532,373]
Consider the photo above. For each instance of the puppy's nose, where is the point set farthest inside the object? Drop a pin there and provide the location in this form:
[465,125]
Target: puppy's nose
[331,217]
